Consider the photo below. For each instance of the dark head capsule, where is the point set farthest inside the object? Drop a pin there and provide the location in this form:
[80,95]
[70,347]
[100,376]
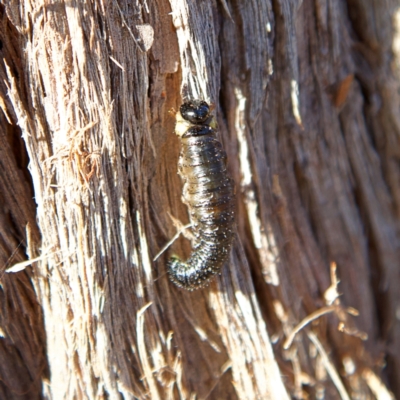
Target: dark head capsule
[196,111]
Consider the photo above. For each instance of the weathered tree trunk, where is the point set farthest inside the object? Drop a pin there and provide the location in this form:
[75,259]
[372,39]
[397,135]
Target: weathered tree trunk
[307,99]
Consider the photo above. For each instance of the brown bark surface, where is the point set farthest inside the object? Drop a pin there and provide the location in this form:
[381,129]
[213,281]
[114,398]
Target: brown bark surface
[307,99]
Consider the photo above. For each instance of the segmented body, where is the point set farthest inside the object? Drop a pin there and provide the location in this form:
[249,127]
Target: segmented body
[209,194]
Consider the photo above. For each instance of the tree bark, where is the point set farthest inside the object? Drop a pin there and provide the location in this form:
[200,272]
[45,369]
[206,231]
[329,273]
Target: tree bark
[306,95]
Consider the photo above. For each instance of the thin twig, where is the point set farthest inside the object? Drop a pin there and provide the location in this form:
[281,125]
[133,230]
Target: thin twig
[127,27]
[171,241]
[329,367]
[313,316]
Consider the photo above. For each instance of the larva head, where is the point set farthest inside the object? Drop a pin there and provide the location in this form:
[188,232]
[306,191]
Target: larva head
[196,111]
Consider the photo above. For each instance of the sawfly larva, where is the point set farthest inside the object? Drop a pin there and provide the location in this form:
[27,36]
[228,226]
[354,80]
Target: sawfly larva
[208,192]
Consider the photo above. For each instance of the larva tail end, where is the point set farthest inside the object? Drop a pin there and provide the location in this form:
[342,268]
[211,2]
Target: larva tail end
[179,274]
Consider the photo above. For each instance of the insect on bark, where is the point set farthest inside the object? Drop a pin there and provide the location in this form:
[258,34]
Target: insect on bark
[208,192]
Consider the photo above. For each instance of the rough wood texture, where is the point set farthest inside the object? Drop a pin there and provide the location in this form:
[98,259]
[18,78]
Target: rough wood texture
[23,363]
[307,98]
